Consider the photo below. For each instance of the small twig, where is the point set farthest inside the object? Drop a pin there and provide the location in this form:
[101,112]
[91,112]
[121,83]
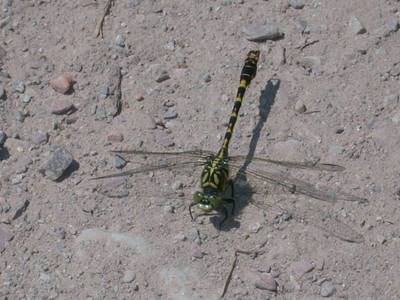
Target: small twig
[229,277]
[307,43]
[255,252]
[99,27]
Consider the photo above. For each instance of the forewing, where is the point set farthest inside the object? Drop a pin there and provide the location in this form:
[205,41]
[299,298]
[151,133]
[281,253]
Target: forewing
[295,185]
[171,165]
[238,159]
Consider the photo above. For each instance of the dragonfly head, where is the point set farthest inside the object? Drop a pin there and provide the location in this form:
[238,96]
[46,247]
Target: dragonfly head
[207,202]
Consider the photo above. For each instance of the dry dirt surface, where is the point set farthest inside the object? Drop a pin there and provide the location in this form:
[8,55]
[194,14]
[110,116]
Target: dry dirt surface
[162,76]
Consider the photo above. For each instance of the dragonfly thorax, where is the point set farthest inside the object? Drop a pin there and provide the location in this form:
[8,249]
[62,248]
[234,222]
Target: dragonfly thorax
[215,174]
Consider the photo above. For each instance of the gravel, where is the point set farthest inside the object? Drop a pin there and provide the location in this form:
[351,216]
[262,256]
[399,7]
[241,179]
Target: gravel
[297,4]
[327,289]
[260,33]
[58,164]
[19,86]
[356,26]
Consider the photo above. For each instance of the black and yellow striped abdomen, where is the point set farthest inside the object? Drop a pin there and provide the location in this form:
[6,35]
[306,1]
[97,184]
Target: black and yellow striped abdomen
[215,174]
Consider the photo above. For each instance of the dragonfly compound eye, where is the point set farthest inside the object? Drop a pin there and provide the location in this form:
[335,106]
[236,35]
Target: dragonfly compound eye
[198,196]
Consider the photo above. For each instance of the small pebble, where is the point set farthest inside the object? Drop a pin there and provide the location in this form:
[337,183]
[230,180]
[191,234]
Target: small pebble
[134,3]
[162,76]
[170,114]
[380,239]
[302,267]
[393,25]
[5,238]
[300,107]
[301,25]
[62,84]
[356,26]
[104,92]
[119,162]
[3,138]
[26,98]
[339,130]
[129,276]
[58,164]
[396,118]
[266,282]
[40,138]
[169,209]
[391,99]
[165,140]
[2,94]
[335,149]
[297,4]
[19,116]
[255,227]
[115,137]
[61,233]
[327,289]
[207,77]
[120,41]
[19,86]
[311,62]
[180,237]
[61,107]
[260,33]
[196,252]
[177,185]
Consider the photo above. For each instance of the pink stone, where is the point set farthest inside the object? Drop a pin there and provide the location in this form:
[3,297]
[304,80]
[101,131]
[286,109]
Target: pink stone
[60,107]
[62,84]
[115,137]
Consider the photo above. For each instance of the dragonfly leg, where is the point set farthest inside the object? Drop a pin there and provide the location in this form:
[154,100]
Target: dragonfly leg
[190,209]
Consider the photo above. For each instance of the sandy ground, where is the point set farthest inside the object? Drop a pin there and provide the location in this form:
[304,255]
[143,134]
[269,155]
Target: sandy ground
[176,65]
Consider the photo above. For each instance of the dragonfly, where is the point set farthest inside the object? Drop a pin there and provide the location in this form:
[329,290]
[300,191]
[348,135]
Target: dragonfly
[217,188]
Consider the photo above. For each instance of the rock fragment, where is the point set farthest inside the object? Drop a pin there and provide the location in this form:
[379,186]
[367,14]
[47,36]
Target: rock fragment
[129,276]
[266,282]
[300,107]
[120,41]
[62,84]
[3,138]
[19,86]
[297,4]
[58,164]
[261,33]
[61,107]
[162,76]
[40,138]
[2,93]
[5,238]
[327,289]
[356,26]
[393,25]
[300,268]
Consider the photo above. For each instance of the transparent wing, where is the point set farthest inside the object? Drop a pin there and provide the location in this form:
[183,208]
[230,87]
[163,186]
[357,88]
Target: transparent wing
[289,164]
[316,217]
[194,154]
[166,165]
[295,185]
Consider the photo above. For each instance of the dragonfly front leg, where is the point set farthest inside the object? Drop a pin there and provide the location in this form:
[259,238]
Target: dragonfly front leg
[190,209]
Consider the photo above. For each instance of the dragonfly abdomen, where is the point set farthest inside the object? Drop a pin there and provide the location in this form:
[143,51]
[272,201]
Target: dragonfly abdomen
[248,73]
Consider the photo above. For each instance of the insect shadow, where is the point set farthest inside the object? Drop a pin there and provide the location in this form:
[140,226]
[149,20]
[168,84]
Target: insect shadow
[267,99]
